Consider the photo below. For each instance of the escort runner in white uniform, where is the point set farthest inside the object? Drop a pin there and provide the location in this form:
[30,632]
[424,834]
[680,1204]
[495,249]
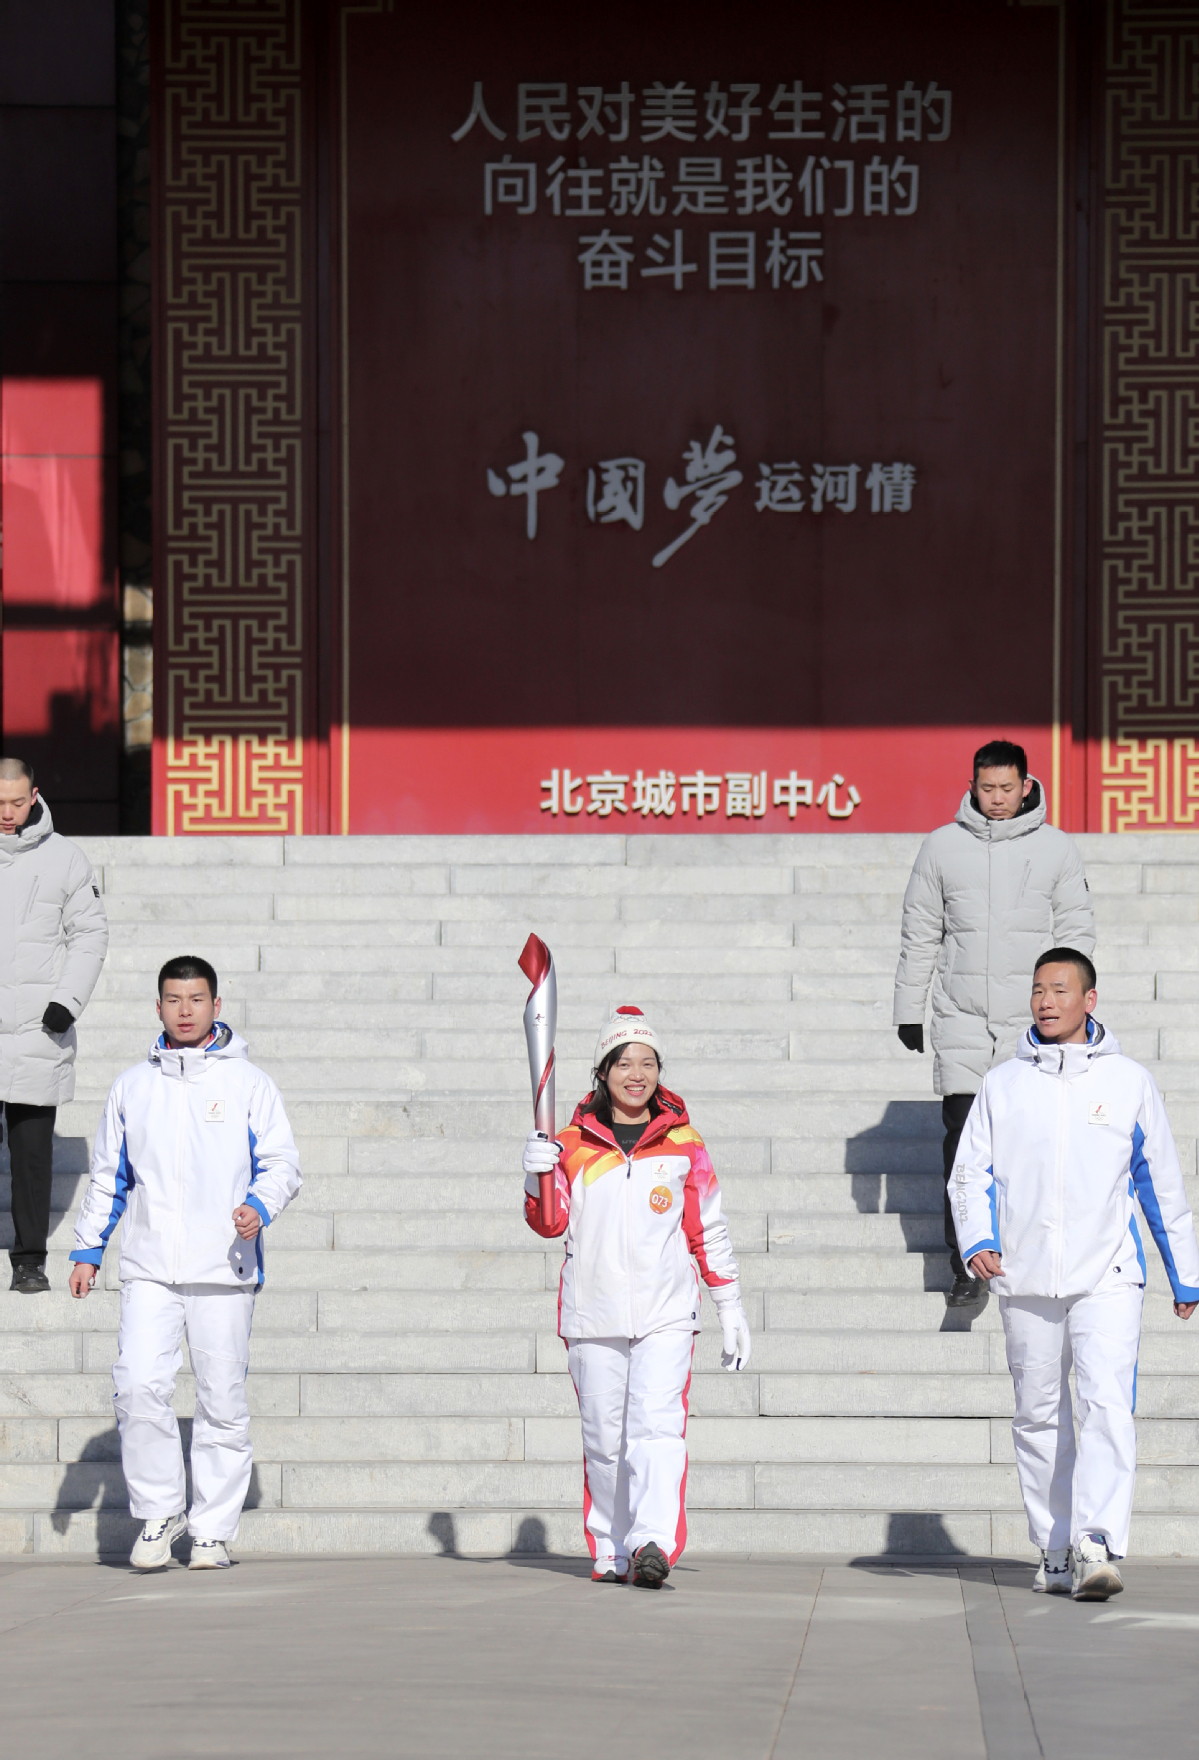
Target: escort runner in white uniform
[1061,1145]
[196,1153]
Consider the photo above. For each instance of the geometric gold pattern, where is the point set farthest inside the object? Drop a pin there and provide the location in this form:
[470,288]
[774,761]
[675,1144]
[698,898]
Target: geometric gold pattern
[231,485]
[1149,536]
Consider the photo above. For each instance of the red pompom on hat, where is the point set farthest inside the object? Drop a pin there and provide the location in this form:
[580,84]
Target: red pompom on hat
[628,1026]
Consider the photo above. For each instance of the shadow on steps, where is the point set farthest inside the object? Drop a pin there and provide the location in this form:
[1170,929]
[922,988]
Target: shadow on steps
[895,1168]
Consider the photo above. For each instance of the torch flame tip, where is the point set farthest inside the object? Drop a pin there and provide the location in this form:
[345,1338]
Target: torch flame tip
[535,960]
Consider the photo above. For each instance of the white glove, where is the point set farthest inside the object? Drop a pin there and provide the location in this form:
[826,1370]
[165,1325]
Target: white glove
[541,1155]
[734,1327]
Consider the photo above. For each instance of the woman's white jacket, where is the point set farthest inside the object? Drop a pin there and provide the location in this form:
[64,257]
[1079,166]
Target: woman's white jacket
[1061,1145]
[186,1137]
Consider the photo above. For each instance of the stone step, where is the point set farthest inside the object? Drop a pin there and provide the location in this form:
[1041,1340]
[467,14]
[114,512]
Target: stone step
[399,1366]
[496,1533]
[408,1387]
[425,1016]
[818,1485]
[504,1118]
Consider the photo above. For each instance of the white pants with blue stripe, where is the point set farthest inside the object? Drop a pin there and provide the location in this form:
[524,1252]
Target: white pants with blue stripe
[216,1320]
[1071,1491]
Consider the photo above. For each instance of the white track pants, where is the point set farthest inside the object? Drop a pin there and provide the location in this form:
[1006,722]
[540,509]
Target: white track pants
[154,1319]
[1089,1491]
[633,1404]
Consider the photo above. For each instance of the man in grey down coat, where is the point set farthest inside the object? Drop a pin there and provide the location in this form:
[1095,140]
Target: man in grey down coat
[53,939]
[988,895]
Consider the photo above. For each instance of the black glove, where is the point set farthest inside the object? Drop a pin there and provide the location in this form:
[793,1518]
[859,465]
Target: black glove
[912,1037]
[57,1018]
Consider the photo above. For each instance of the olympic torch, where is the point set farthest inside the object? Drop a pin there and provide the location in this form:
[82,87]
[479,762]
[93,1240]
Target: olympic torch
[541,1024]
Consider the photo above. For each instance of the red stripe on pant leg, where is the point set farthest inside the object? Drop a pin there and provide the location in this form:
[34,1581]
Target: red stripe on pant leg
[589,1536]
[680,1533]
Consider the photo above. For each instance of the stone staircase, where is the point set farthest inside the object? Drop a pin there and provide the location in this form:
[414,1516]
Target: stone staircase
[408,1390]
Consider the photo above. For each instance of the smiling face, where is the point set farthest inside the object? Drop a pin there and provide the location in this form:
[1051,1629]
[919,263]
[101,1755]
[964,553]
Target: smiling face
[631,1079]
[1060,1005]
[187,1009]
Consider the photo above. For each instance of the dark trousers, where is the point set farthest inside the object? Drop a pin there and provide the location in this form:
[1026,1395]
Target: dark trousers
[30,1145]
[955,1109]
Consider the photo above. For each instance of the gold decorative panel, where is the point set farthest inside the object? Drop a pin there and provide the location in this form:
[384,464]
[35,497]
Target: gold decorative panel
[1149,506]
[230,483]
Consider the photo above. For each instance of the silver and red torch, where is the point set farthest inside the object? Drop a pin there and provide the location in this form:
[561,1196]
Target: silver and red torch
[541,1026]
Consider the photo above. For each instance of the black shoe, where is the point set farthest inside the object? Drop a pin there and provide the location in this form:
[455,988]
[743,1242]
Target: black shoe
[650,1567]
[966,1289]
[28,1280]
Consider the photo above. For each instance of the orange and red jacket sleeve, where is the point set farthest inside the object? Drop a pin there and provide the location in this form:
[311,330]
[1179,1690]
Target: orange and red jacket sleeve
[561,1203]
[703,1220]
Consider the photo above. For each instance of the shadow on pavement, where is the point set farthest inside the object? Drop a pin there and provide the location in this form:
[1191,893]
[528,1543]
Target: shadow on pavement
[530,1550]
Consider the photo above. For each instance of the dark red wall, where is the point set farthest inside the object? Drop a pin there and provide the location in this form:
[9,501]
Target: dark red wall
[882,642]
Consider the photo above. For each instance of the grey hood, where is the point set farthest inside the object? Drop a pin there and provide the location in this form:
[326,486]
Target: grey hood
[1031,817]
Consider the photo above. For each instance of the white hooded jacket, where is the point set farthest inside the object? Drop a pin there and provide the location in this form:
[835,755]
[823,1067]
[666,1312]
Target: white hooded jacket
[1060,1144]
[186,1137]
[986,898]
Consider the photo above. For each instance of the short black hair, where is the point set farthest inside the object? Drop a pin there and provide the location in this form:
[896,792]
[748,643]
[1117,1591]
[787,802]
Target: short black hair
[1069,956]
[11,768]
[997,754]
[188,965]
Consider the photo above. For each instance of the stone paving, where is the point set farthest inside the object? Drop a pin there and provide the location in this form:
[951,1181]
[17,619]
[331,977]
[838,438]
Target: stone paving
[734,1659]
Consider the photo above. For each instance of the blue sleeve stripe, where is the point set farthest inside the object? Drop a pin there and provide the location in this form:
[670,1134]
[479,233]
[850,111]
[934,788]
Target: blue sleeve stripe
[120,1196]
[992,1245]
[1142,1179]
[1136,1236]
[255,1170]
[86,1256]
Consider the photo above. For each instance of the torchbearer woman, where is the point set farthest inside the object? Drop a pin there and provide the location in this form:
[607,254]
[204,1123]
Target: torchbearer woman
[636,1196]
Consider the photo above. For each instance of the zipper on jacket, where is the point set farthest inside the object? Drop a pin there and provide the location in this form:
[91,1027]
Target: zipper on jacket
[180,1147]
[1061,1173]
[628,1238]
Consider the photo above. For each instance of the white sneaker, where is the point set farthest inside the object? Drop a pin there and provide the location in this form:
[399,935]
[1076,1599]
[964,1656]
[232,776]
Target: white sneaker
[1054,1577]
[152,1548]
[208,1555]
[1096,1574]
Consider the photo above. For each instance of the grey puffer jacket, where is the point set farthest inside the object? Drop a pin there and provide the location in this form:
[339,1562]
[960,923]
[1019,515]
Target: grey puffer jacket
[53,939]
[986,898]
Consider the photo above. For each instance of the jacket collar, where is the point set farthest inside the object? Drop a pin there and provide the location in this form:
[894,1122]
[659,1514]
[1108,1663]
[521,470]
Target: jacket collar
[1031,817]
[188,1063]
[673,1113]
[1068,1060]
[34,832]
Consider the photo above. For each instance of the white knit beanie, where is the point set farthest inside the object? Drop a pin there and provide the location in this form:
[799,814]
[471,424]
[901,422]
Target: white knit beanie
[628,1026]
